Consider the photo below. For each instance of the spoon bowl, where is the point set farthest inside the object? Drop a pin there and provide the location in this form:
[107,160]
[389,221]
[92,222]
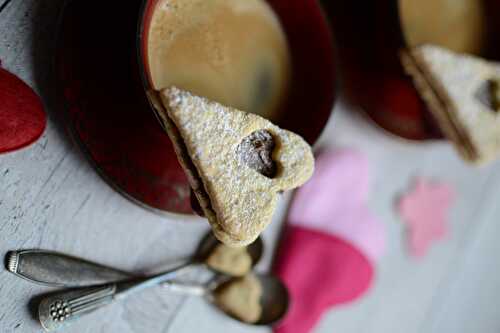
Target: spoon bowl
[274,299]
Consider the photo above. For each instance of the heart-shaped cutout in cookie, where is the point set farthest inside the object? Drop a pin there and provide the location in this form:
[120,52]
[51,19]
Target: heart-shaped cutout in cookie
[256,151]
[224,152]
[22,119]
[494,90]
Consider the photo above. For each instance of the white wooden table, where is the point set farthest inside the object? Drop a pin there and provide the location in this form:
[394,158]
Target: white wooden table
[51,198]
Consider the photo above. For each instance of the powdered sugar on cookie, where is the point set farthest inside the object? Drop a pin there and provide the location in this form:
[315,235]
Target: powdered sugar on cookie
[242,198]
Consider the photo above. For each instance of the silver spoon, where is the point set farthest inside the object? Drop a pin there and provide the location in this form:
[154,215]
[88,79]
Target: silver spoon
[57,310]
[274,300]
[55,269]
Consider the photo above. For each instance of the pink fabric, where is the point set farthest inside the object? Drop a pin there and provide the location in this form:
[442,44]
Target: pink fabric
[320,271]
[425,212]
[335,201]
[332,240]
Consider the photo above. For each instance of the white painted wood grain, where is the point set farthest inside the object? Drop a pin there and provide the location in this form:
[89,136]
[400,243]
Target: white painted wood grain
[426,295]
[51,198]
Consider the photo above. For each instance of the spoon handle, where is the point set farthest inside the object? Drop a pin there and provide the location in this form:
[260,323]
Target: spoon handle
[58,310]
[184,288]
[59,270]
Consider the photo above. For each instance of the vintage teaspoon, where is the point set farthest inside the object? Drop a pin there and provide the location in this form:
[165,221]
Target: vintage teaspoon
[55,269]
[57,311]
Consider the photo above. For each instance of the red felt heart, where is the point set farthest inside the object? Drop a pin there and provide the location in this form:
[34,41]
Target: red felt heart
[320,271]
[22,119]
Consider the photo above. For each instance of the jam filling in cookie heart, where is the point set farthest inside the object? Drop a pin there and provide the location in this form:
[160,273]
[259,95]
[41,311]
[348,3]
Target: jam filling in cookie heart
[494,89]
[488,94]
[256,151]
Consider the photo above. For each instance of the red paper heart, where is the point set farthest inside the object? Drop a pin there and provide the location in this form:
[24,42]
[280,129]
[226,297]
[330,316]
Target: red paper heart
[22,119]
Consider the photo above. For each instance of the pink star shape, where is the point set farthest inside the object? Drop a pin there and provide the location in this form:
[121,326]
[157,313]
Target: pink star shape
[424,210]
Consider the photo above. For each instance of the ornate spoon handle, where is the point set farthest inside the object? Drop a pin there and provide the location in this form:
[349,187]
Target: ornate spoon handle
[59,270]
[56,311]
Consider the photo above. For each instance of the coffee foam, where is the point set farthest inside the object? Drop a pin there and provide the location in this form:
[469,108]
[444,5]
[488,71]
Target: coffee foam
[231,51]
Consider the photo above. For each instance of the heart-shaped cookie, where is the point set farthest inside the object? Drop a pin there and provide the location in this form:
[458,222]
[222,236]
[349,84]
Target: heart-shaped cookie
[461,93]
[234,261]
[22,119]
[223,151]
[241,298]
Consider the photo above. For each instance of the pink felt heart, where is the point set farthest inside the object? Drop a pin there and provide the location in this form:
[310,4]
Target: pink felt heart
[320,271]
[332,240]
[22,119]
[425,212]
[335,201]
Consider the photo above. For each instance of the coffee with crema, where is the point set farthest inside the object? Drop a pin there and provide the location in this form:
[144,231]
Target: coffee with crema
[455,24]
[230,51]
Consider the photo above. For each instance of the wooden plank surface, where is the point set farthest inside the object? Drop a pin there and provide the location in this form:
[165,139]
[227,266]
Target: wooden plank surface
[51,198]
